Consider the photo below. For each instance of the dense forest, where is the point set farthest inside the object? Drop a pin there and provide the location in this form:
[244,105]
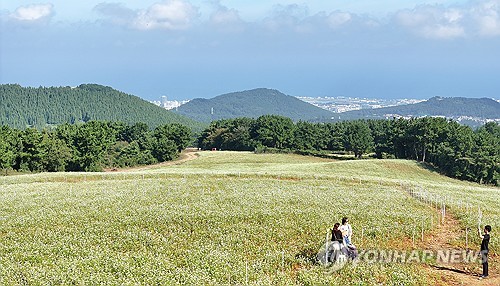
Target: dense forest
[90,146]
[47,107]
[252,103]
[457,150]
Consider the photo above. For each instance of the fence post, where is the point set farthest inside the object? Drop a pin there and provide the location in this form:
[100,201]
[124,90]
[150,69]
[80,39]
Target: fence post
[422,229]
[413,236]
[442,212]
[466,238]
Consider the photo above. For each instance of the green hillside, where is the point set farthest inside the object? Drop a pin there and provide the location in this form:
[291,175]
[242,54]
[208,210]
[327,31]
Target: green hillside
[436,106]
[252,103]
[234,218]
[22,107]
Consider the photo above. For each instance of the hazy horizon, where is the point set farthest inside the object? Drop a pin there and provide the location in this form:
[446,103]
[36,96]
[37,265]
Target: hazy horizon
[188,49]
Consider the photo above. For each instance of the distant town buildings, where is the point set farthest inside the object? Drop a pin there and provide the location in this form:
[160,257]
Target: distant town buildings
[342,104]
[169,104]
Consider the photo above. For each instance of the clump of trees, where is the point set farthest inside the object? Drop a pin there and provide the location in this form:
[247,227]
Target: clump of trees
[457,150]
[91,146]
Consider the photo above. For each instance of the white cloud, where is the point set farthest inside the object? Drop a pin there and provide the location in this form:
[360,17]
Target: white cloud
[170,15]
[337,19]
[226,19]
[453,15]
[443,31]
[116,13]
[287,17]
[487,18]
[33,12]
[166,15]
[223,15]
[435,22]
[475,19]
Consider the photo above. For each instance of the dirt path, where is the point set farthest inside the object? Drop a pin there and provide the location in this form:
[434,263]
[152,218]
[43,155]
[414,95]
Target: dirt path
[186,155]
[456,274]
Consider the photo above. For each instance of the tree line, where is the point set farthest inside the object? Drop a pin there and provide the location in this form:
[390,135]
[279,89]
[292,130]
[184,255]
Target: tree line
[90,146]
[457,150]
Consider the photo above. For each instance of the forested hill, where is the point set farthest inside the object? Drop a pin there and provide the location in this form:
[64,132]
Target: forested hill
[22,107]
[252,103]
[451,107]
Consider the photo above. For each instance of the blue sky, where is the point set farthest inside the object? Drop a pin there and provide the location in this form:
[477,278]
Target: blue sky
[185,49]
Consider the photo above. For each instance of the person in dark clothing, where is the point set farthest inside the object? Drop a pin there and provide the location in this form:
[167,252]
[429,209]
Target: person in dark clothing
[337,234]
[484,249]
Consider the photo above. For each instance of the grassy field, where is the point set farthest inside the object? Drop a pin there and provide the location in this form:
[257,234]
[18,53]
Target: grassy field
[225,218]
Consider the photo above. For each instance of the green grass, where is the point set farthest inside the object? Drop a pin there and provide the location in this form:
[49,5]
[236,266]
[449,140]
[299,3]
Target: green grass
[224,218]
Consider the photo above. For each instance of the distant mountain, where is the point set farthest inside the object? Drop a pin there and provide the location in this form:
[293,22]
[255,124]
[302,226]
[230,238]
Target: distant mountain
[22,107]
[450,107]
[252,103]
